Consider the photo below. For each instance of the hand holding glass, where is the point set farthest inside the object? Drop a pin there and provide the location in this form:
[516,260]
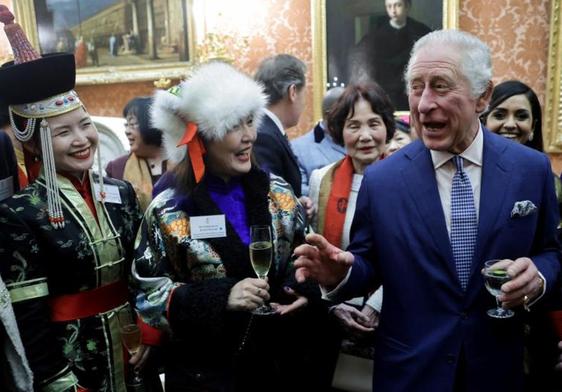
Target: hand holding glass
[260,256]
[131,338]
[495,275]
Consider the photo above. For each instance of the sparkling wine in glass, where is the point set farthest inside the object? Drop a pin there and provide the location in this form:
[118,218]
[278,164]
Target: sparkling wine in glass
[131,338]
[261,248]
[495,275]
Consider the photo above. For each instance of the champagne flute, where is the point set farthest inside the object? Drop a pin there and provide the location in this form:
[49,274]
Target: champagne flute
[260,256]
[131,338]
[495,275]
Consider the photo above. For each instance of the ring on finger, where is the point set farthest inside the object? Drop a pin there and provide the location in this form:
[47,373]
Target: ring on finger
[526,303]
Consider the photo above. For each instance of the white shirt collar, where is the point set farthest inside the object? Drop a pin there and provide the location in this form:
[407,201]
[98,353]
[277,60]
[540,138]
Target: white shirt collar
[275,119]
[473,153]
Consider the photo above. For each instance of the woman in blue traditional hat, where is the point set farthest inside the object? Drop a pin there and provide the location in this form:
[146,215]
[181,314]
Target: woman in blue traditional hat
[67,239]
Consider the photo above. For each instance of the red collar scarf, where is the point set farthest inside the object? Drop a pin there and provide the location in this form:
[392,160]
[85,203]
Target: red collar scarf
[336,207]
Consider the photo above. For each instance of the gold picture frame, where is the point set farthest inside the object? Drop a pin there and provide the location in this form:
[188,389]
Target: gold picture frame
[552,128]
[450,12]
[106,72]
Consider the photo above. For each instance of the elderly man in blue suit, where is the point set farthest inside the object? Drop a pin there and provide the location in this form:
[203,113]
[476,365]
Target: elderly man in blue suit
[428,218]
[316,148]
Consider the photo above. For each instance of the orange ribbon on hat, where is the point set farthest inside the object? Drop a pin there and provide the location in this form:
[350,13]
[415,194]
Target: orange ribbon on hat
[195,148]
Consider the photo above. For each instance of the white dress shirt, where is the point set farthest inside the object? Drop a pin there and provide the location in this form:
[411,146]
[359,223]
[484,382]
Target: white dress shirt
[276,120]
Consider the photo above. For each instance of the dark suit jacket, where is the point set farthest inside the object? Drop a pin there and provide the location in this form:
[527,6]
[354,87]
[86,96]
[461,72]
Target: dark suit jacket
[399,238]
[8,163]
[274,154]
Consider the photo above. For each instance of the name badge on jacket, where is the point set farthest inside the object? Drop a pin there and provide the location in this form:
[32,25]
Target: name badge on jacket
[112,194]
[207,226]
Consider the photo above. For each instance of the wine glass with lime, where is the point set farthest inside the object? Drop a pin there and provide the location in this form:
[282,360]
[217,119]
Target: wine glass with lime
[495,275]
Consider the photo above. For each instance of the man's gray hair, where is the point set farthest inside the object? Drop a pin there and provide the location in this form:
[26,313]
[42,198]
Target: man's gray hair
[279,72]
[475,63]
[330,98]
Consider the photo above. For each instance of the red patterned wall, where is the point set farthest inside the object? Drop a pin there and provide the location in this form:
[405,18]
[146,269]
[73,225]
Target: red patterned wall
[516,30]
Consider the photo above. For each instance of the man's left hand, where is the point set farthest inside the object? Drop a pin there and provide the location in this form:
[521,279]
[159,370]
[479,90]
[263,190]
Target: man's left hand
[526,284]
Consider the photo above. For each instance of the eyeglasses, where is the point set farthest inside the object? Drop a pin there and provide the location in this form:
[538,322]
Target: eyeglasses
[131,125]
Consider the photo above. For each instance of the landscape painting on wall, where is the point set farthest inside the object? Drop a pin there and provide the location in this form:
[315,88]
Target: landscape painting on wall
[113,32]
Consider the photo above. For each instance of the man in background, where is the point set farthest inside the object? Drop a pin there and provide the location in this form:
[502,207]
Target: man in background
[283,79]
[383,53]
[316,148]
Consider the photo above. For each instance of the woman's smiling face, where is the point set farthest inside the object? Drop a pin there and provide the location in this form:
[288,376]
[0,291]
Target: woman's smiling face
[75,139]
[230,156]
[512,119]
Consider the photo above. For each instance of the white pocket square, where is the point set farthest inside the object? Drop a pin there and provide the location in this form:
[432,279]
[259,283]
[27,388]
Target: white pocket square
[523,208]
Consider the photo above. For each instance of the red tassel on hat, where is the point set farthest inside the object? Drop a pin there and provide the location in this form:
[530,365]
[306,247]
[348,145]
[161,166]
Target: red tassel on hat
[195,148]
[23,51]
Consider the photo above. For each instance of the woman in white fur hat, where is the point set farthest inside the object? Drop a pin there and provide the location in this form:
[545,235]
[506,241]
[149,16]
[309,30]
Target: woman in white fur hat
[200,284]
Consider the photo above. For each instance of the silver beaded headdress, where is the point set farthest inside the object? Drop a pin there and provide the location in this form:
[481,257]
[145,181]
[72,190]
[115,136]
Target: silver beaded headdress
[51,81]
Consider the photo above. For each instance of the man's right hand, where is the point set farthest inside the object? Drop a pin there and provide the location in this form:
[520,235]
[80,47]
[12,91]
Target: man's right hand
[321,261]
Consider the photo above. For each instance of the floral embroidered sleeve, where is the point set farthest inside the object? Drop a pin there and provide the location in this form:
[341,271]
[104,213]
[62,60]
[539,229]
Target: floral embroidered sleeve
[153,286]
[23,268]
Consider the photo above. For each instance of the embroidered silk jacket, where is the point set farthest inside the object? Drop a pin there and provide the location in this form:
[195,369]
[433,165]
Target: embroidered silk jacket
[184,283]
[40,263]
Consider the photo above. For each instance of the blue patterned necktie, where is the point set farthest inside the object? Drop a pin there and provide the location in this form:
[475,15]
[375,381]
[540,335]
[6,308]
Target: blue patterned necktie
[464,224]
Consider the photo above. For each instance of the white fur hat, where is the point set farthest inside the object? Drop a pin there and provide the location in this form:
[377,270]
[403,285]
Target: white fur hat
[216,97]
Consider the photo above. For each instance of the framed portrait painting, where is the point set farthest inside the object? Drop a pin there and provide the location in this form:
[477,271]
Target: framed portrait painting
[113,40]
[359,40]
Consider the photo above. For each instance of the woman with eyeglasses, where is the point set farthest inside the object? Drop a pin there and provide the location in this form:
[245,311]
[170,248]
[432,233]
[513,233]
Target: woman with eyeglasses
[145,163]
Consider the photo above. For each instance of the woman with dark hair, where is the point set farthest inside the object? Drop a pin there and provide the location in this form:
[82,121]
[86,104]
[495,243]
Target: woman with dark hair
[193,273]
[362,121]
[144,165]
[515,113]
[66,244]
[402,137]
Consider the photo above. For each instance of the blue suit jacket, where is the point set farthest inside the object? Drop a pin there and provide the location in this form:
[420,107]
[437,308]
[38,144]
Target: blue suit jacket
[399,238]
[314,150]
